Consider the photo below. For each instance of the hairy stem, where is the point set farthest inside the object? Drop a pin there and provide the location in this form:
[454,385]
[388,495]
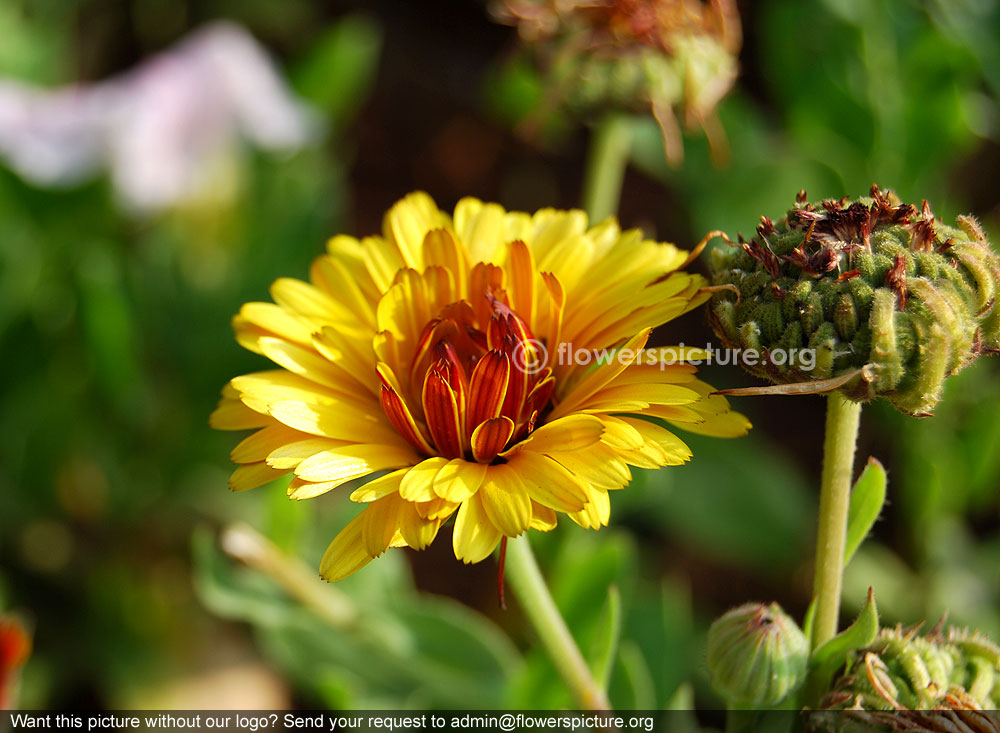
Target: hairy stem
[842,420]
[610,145]
[533,594]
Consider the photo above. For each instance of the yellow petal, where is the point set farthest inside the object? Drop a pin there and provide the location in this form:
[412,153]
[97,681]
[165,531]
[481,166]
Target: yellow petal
[480,228]
[277,320]
[459,479]
[615,399]
[725,425]
[417,532]
[308,302]
[346,555]
[474,536]
[231,414]
[597,511]
[569,259]
[404,311]
[380,523]
[260,389]
[408,222]
[252,475]
[248,335]
[717,418]
[675,451]
[649,456]
[302,360]
[418,482]
[349,357]
[382,261]
[353,462]
[542,518]
[548,482]
[256,447]
[573,432]
[620,434]
[505,500]
[334,277]
[300,490]
[441,248]
[521,266]
[597,378]
[602,467]
[379,487]
[436,509]
[335,421]
[550,227]
[290,455]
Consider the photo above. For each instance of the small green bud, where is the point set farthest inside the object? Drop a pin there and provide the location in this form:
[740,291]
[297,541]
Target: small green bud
[894,300]
[757,655]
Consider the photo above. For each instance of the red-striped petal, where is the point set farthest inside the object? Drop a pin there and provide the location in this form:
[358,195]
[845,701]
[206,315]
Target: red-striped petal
[488,387]
[485,283]
[441,413]
[402,419]
[449,364]
[490,437]
[541,392]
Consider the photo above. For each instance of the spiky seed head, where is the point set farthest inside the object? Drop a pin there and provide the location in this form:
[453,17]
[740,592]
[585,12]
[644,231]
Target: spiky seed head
[884,299]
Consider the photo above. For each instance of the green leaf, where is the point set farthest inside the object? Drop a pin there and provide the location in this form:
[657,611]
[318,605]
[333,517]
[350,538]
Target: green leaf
[682,699]
[635,678]
[413,649]
[339,70]
[609,632]
[867,499]
[810,617]
[833,654]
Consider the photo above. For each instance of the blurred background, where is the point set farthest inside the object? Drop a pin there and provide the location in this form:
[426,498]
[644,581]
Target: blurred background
[162,161]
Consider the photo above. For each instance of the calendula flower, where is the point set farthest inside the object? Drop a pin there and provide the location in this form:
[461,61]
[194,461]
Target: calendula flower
[425,354]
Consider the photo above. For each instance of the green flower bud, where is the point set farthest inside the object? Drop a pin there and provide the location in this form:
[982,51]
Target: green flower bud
[892,300]
[757,655]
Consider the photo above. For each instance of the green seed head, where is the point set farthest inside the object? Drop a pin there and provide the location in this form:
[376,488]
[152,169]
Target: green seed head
[674,58]
[757,655]
[876,297]
[957,669]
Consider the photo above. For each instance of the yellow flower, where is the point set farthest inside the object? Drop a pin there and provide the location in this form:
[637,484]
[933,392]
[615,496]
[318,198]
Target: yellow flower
[450,352]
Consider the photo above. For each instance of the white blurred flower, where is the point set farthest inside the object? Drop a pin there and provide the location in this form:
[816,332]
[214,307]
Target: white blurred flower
[164,129]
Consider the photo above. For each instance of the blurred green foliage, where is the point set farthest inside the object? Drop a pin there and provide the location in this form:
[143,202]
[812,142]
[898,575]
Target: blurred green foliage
[116,337]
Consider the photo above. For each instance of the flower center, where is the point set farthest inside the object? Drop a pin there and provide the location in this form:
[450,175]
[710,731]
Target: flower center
[477,383]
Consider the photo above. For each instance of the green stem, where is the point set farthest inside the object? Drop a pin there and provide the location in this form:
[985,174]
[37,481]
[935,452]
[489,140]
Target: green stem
[842,420]
[529,586]
[610,145]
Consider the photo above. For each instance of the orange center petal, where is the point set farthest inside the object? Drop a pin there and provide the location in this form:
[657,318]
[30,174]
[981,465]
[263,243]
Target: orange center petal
[470,394]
